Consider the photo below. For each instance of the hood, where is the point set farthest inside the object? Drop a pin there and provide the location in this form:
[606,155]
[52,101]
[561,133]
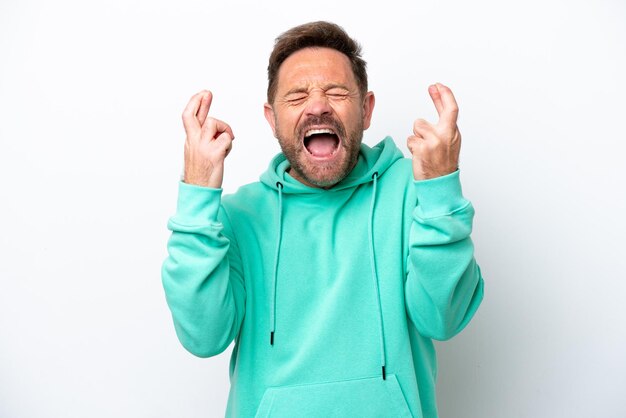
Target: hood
[371,160]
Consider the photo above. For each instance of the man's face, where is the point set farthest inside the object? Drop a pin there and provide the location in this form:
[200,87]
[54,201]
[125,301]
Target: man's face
[318,115]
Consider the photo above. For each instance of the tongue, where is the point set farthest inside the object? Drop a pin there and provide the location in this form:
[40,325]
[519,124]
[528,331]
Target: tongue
[322,145]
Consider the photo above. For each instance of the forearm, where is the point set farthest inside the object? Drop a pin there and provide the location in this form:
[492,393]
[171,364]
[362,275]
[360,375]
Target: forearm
[205,299]
[444,286]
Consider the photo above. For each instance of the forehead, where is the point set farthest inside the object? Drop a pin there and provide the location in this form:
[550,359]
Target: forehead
[315,67]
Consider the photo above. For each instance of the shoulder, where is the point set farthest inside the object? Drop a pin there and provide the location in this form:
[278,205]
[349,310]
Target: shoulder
[248,199]
[396,184]
[400,172]
[403,165]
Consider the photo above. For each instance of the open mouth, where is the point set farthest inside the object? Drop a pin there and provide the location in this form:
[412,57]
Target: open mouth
[321,142]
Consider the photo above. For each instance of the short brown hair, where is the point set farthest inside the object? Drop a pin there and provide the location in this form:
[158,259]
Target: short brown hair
[315,34]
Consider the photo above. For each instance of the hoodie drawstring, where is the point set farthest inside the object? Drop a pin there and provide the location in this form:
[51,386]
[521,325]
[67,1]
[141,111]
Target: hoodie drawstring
[375,276]
[279,186]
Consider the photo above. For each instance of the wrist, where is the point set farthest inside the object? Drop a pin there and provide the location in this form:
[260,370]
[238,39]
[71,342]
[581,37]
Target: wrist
[420,174]
[205,177]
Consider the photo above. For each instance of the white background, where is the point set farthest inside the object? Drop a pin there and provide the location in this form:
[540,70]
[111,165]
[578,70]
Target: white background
[91,151]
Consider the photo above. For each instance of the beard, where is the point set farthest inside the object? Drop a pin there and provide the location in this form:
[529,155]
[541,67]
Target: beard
[321,174]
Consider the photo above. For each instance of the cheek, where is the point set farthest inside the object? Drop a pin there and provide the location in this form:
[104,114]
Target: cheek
[351,111]
[287,119]
[353,118]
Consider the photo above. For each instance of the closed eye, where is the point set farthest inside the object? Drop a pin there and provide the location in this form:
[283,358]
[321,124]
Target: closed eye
[295,98]
[338,93]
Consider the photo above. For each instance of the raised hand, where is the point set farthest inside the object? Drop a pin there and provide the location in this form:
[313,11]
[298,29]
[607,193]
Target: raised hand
[435,148]
[208,142]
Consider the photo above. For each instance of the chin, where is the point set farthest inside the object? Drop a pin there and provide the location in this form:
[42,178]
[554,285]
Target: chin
[324,175]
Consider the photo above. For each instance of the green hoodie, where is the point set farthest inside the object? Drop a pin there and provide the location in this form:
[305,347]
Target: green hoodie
[332,296]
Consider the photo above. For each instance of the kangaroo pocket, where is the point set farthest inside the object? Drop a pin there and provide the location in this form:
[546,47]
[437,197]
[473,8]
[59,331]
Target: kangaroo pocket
[363,398]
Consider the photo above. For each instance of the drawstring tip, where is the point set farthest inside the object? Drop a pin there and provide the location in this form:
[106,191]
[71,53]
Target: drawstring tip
[272,338]
[384,374]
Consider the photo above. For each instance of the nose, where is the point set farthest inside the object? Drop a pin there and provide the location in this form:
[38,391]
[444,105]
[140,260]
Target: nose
[318,104]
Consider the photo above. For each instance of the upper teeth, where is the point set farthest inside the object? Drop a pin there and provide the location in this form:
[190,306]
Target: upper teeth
[318,131]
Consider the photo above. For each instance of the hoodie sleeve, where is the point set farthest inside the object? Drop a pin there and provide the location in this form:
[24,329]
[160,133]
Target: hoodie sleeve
[444,286]
[202,274]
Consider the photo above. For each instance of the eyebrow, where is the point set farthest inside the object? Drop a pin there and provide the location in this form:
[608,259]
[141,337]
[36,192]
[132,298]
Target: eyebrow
[334,86]
[297,90]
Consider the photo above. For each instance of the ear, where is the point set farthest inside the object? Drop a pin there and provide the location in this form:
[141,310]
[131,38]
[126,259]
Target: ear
[269,116]
[368,109]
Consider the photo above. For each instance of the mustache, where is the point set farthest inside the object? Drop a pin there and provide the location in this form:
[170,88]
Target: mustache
[326,120]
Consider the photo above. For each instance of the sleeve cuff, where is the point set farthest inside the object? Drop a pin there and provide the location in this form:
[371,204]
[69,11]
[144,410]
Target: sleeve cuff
[439,196]
[197,204]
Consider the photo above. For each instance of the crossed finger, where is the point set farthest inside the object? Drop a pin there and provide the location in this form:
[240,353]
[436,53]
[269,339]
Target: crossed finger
[196,111]
[213,128]
[205,105]
[444,102]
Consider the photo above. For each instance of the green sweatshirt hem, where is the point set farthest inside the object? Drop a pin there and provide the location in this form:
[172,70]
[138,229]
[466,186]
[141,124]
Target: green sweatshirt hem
[197,204]
[440,196]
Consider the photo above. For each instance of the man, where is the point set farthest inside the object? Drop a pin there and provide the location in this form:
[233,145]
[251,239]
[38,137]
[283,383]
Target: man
[333,273]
